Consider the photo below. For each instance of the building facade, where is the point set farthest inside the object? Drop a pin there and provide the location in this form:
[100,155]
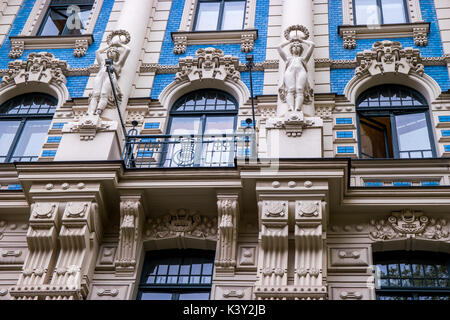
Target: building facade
[224,149]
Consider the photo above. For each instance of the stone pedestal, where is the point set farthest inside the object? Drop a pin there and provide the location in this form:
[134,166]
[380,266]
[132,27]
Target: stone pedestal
[105,146]
[297,141]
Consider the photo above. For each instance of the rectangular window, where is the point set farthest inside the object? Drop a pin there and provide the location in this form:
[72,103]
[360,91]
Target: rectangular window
[344,121]
[370,12]
[215,15]
[344,134]
[65,18]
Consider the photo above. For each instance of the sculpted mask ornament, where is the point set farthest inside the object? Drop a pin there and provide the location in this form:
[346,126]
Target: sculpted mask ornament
[295,89]
[409,224]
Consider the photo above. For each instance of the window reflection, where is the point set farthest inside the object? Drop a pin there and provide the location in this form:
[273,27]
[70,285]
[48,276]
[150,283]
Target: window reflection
[215,15]
[370,12]
[180,275]
[406,275]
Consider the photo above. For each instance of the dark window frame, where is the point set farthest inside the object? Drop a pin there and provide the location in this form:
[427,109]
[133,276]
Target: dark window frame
[24,118]
[413,257]
[391,112]
[204,114]
[380,10]
[62,5]
[220,18]
[178,256]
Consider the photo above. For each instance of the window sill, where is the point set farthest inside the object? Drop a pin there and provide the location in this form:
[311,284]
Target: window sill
[245,37]
[419,31]
[79,43]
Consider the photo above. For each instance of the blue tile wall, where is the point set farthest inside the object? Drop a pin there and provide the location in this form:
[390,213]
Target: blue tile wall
[167,56]
[76,84]
[430,183]
[340,77]
[345,149]
[14,187]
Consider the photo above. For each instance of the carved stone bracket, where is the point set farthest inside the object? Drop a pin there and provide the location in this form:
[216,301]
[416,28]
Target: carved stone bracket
[180,44]
[88,126]
[228,209]
[420,36]
[17,48]
[349,37]
[409,224]
[274,243]
[81,47]
[293,123]
[131,220]
[247,42]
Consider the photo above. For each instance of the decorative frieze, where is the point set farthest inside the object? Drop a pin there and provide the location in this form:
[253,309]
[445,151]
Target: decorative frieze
[228,209]
[409,224]
[181,223]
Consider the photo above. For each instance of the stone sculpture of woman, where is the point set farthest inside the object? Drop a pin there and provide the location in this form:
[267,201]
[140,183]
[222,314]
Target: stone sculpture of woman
[118,51]
[296,90]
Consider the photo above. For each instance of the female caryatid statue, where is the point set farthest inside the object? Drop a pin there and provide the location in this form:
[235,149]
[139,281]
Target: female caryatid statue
[117,51]
[296,90]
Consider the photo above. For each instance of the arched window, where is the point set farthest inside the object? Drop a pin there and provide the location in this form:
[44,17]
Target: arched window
[198,126]
[24,123]
[177,275]
[412,275]
[394,122]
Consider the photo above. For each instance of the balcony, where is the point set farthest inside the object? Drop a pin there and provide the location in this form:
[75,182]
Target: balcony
[187,151]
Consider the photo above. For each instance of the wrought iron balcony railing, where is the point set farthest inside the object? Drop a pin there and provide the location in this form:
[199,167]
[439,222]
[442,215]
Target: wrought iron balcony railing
[187,151]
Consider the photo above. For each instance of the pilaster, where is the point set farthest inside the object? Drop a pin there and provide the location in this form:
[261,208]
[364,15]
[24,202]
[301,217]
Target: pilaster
[228,210]
[131,225]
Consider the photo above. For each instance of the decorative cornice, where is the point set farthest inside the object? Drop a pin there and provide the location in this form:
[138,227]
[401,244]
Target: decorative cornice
[79,43]
[183,39]
[418,30]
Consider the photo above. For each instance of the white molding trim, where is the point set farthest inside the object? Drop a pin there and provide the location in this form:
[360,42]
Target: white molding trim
[347,12]
[190,9]
[425,84]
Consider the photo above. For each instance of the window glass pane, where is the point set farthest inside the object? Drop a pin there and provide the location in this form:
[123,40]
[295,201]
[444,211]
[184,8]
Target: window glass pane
[393,11]
[54,23]
[233,15]
[76,23]
[8,130]
[372,138]
[207,268]
[156,296]
[185,125]
[196,268]
[219,125]
[207,16]
[194,296]
[32,138]
[367,12]
[412,133]
[173,269]
[162,269]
